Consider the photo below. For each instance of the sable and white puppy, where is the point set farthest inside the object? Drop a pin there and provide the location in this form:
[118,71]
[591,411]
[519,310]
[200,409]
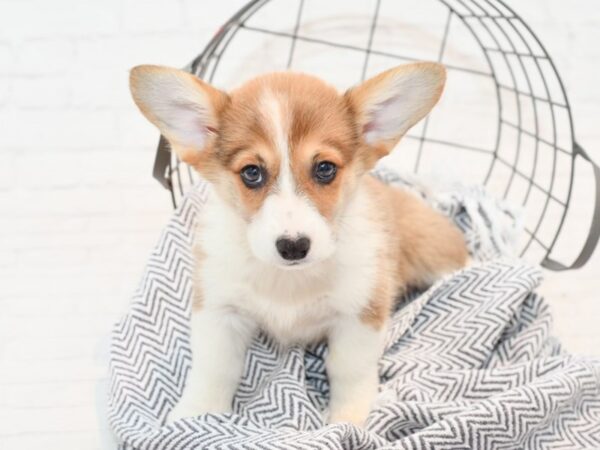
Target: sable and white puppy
[296,238]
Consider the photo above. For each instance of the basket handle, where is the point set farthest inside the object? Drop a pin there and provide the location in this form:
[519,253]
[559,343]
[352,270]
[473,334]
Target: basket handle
[594,233]
[162,164]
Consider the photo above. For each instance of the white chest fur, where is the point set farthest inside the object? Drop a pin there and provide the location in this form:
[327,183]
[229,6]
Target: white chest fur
[294,306]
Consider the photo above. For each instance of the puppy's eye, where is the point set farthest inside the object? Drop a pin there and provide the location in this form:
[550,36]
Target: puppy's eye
[324,172]
[252,176]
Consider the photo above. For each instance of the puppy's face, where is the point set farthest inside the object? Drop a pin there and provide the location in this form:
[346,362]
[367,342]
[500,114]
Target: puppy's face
[286,150]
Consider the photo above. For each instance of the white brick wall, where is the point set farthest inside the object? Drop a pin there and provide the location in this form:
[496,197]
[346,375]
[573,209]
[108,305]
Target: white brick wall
[79,210]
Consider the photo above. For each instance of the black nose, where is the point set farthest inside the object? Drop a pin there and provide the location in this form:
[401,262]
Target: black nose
[293,249]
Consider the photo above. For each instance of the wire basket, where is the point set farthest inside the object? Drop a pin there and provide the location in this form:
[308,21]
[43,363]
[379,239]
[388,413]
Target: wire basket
[504,120]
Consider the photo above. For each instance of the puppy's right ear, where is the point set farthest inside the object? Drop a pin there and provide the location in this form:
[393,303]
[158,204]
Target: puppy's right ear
[184,108]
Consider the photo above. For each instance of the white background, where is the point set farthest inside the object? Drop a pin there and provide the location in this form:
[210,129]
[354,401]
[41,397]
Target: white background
[79,211]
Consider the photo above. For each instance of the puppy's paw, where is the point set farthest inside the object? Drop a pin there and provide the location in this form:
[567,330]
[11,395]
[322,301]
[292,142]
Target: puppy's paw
[354,415]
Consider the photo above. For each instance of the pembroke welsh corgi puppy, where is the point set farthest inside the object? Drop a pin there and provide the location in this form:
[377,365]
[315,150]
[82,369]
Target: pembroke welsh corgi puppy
[297,238]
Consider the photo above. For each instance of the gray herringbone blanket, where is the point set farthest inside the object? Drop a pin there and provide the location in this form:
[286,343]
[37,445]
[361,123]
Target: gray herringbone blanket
[470,363]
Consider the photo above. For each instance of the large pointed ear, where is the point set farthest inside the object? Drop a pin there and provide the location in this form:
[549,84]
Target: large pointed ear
[183,107]
[387,105]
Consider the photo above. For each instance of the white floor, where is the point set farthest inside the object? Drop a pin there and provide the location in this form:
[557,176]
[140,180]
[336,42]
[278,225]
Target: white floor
[79,211]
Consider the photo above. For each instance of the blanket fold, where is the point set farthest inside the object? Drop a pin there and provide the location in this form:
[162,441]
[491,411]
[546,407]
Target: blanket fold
[469,363]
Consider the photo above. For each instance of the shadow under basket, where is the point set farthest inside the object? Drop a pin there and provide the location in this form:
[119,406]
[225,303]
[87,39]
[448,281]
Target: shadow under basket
[504,121]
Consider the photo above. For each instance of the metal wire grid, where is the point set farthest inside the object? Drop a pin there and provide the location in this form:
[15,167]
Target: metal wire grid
[518,65]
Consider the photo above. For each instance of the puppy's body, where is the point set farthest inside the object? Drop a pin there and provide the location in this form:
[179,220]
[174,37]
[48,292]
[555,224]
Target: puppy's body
[297,238]
[388,239]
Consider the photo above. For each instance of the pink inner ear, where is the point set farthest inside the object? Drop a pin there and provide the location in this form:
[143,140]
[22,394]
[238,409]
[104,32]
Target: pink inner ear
[372,124]
[378,108]
[369,127]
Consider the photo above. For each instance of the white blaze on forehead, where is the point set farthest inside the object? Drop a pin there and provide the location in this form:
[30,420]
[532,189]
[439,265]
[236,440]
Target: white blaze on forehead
[284,212]
[275,116]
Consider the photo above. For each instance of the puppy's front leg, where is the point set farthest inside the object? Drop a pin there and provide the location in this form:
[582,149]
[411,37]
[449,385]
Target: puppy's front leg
[219,339]
[354,351]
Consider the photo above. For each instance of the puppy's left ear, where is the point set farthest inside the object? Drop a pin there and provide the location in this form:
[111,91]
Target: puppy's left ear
[389,104]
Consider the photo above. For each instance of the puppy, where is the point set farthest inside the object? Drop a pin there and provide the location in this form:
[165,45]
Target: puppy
[297,238]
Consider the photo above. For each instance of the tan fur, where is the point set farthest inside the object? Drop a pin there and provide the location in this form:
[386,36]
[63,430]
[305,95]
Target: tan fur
[386,289]
[423,244]
[317,131]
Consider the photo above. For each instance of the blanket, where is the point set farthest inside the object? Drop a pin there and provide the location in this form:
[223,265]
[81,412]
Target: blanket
[469,363]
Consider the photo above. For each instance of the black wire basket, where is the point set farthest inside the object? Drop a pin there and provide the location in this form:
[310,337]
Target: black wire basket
[504,120]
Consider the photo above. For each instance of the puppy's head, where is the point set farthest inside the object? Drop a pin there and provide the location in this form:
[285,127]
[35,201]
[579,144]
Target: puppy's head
[286,150]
